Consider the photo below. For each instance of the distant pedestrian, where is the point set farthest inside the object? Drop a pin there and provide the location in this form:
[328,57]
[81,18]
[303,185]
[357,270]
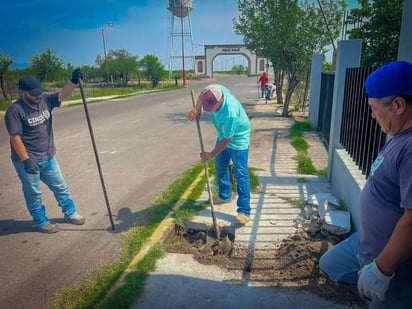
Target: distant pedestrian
[29,124]
[263,80]
[378,258]
[233,140]
[270,90]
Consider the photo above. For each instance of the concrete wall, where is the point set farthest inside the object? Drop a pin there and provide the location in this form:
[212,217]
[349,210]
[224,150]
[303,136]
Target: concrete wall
[347,183]
[200,63]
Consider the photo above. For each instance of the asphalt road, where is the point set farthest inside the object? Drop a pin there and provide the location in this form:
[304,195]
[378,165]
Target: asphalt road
[144,144]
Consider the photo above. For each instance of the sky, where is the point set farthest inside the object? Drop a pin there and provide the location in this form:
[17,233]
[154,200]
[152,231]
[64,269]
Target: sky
[73,29]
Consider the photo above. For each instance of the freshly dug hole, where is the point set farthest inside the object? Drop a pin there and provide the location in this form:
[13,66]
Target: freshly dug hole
[206,241]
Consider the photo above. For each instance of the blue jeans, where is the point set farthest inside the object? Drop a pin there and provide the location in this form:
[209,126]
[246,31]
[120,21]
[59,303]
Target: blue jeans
[267,93]
[50,174]
[240,166]
[342,263]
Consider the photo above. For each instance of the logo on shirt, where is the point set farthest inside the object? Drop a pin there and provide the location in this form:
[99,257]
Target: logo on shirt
[378,162]
[35,121]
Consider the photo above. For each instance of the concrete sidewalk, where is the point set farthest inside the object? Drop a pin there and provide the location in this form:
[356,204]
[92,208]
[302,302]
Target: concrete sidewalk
[181,282]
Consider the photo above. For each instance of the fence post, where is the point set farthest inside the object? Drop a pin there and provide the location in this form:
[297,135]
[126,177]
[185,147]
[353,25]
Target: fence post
[349,52]
[405,42]
[315,82]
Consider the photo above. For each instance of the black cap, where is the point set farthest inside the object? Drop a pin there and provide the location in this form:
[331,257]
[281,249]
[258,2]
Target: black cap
[31,84]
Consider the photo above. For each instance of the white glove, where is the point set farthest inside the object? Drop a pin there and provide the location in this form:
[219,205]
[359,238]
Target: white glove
[372,284]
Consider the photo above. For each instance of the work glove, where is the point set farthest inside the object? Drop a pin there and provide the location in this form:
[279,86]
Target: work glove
[76,76]
[30,166]
[372,284]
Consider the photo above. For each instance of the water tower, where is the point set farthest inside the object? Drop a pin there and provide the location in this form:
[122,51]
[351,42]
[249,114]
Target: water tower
[181,39]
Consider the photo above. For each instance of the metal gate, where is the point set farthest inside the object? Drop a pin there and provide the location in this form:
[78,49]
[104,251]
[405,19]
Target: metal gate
[360,134]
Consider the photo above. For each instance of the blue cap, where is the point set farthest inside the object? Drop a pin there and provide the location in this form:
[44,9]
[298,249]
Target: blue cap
[31,84]
[392,79]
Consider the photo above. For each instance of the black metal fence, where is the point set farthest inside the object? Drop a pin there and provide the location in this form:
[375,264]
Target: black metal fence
[360,134]
[325,105]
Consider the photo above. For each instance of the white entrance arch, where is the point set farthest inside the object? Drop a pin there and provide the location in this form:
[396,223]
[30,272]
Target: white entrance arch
[204,64]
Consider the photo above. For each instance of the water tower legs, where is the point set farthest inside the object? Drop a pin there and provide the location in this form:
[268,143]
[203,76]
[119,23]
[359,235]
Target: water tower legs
[181,47]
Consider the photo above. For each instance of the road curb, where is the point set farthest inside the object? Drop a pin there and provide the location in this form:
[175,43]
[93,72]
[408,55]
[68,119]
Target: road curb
[158,236]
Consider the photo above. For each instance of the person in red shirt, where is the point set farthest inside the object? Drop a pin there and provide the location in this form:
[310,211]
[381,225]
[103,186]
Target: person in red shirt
[263,80]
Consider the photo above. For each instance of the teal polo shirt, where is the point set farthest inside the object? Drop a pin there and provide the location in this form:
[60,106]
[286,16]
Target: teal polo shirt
[231,121]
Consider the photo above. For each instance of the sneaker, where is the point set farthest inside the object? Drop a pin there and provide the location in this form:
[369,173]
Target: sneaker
[217,200]
[241,218]
[75,219]
[48,228]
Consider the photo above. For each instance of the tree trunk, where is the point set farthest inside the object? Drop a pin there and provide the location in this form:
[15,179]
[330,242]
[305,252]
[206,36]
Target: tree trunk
[10,92]
[278,84]
[305,94]
[2,87]
[292,83]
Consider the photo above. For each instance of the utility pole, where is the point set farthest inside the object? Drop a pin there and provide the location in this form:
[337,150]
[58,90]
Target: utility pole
[104,49]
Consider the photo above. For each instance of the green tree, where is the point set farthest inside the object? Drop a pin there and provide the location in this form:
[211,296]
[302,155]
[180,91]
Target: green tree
[4,69]
[91,73]
[121,64]
[101,65]
[47,66]
[152,69]
[288,33]
[239,69]
[378,24]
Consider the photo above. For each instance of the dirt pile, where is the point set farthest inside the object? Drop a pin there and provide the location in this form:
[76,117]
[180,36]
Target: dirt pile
[293,264]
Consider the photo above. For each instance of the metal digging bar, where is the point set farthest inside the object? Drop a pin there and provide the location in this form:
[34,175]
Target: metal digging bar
[209,188]
[96,153]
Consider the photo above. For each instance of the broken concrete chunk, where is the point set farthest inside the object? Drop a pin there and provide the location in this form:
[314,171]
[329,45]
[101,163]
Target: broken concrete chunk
[337,222]
[316,199]
[308,211]
[324,202]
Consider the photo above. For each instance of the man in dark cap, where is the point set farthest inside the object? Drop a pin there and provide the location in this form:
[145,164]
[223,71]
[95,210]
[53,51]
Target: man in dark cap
[378,258]
[233,141]
[29,124]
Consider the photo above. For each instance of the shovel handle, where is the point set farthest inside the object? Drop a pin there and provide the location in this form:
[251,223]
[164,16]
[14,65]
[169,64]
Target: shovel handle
[209,188]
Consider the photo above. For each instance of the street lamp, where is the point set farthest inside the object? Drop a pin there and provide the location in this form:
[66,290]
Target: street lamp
[104,49]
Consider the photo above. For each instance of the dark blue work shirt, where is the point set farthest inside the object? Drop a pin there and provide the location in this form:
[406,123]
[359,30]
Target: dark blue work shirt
[34,125]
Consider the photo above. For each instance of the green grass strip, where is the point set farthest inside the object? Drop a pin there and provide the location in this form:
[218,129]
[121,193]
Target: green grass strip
[133,288]
[305,164]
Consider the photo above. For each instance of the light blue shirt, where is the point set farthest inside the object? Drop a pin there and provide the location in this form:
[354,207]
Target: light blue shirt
[231,121]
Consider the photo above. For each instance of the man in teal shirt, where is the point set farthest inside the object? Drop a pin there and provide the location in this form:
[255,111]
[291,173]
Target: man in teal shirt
[233,140]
